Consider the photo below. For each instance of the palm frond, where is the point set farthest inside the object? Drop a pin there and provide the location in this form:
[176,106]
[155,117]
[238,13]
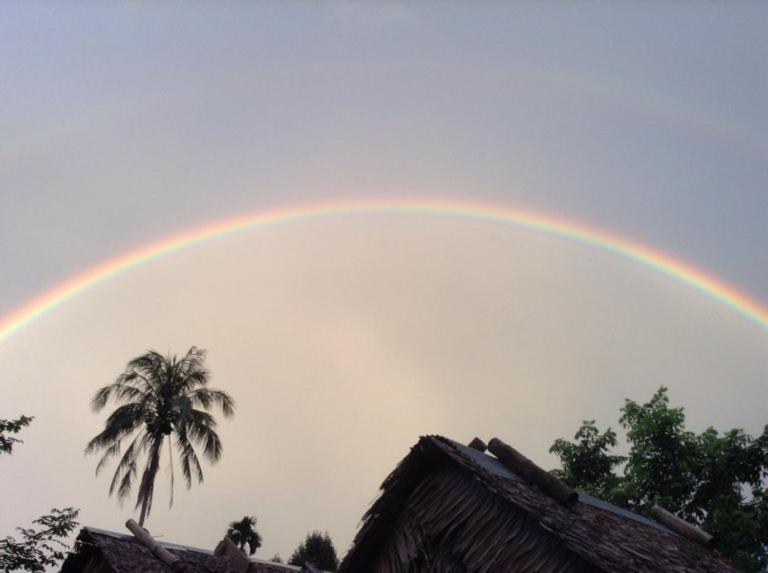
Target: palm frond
[196,418]
[136,379]
[192,361]
[201,428]
[127,467]
[208,397]
[194,379]
[190,371]
[189,460]
[101,397]
[110,452]
[126,484]
[120,391]
[152,366]
[124,420]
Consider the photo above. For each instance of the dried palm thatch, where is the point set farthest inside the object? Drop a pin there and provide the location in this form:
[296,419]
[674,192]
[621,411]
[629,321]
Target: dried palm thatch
[450,508]
[99,551]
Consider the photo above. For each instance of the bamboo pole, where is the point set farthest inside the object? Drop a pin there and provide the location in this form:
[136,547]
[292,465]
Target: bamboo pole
[478,444]
[681,526]
[532,473]
[143,536]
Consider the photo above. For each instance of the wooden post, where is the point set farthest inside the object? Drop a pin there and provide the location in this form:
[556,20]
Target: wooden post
[532,473]
[143,536]
[478,444]
[681,526]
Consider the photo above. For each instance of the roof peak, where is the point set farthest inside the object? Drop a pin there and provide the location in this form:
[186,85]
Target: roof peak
[602,536]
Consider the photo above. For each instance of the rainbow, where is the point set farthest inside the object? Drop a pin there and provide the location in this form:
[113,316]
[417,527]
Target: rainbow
[548,225]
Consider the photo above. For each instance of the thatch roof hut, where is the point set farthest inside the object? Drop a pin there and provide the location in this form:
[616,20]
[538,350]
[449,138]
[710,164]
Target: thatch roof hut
[100,551]
[450,508]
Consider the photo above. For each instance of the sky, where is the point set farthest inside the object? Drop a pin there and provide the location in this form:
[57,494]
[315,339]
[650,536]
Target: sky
[343,339]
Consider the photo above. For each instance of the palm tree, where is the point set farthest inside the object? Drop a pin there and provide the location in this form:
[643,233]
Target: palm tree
[162,399]
[244,533]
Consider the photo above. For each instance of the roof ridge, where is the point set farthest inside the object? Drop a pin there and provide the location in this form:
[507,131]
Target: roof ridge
[471,458]
[584,497]
[179,547]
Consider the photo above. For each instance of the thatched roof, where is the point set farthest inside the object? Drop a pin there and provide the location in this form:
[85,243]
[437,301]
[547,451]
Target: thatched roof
[491,518]
[100,551]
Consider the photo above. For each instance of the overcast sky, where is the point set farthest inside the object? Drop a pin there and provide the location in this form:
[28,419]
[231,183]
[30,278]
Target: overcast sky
[343,340]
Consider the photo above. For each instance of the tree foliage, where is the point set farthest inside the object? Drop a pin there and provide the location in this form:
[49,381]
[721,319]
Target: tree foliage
[587,461]
[316,549]
[161,400]
[39,547]
[718,482]
[244,533]
[8,427]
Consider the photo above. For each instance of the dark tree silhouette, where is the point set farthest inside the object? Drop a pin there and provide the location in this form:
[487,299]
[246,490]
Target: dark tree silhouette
[8,427]
[244,533]
[316,549]
[41,546]
[162,399]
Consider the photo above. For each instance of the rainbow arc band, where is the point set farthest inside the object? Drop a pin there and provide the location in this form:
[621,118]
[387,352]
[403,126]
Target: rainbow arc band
[644,255]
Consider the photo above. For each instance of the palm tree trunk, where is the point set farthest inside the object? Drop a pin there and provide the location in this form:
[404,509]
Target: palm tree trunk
[148,480]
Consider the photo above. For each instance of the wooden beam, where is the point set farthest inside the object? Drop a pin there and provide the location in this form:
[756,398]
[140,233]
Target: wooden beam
[530,472]
[681,526]
[143,536]
[478,444]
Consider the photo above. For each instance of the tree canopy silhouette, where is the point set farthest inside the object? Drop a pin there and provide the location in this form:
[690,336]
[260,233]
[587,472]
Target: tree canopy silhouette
[316,549]
[161,400]
[715,481]
[9,427]
[42,545]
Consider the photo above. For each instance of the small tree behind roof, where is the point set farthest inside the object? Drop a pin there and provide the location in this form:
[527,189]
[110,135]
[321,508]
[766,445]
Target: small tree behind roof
[244,533]
[317,549]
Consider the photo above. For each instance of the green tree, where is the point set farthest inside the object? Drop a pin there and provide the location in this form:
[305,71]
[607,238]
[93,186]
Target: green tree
[244,533]
[729,497]
[8,427]
[39,547]
[662,456]
[716,481]
[316,549]
[162,399]
[587,462]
